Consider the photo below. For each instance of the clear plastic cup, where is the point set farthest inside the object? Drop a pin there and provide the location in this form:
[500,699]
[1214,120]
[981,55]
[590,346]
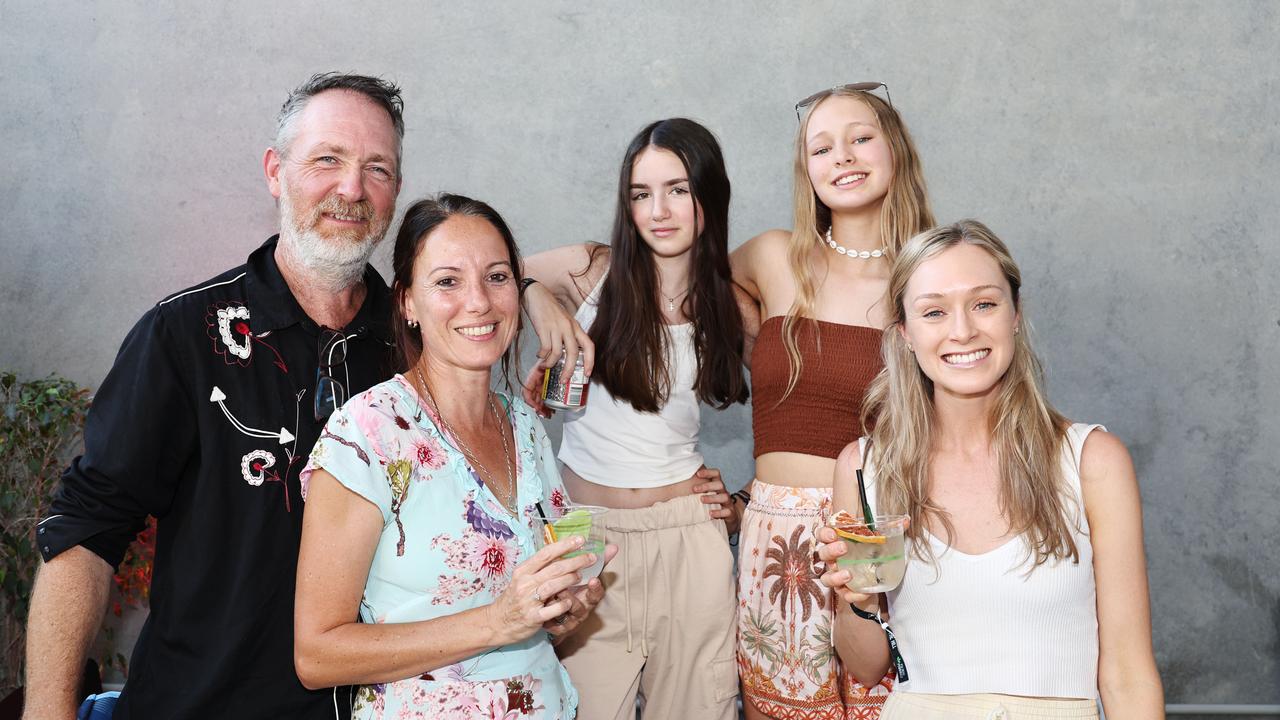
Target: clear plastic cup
[875,558]
[584,521]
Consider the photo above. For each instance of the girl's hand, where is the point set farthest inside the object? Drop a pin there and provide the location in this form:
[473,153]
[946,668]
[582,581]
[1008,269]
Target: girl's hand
[532,391]
[556,329]
[714,493]
[830,547]
[532,597]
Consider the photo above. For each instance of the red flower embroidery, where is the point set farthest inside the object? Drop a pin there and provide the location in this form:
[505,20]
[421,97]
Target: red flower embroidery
[495,559]
[518,698]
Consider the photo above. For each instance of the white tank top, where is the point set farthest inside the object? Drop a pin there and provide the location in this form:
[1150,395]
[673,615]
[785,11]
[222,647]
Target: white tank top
[611,444]
[982,624]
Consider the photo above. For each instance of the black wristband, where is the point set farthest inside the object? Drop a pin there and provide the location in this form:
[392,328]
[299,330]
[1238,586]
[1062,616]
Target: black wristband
[525,283]
[744,496]
[895,655]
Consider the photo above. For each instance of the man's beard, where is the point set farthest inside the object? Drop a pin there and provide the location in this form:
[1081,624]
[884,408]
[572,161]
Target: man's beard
[336,259]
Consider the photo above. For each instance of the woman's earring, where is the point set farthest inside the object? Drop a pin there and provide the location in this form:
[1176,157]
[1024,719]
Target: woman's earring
[413,323]
[1017,330]
[909,348]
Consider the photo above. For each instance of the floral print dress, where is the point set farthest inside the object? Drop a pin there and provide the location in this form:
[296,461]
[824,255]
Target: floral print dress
[447,545]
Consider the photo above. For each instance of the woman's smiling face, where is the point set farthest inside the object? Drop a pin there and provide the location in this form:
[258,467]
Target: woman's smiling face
[960,320]
[849,160]
[464,294]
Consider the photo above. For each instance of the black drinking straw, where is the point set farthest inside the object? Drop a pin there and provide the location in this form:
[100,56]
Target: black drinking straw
[547,533]
[866,506]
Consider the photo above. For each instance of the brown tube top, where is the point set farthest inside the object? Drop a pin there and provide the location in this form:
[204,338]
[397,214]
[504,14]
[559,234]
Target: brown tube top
[821,415]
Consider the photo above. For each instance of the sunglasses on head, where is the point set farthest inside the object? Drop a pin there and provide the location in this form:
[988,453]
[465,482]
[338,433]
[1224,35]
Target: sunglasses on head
[857,87]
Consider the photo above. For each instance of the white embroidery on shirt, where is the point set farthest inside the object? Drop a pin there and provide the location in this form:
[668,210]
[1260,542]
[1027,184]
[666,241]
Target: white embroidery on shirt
[225,316]
[254,464]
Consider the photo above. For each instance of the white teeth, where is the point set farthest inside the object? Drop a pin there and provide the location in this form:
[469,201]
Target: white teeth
[850,179]
[966,358]
[478,330]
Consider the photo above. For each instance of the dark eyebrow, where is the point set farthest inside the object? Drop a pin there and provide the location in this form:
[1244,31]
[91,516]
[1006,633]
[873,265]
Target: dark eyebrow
[454,268]
[669,183]
[972,290]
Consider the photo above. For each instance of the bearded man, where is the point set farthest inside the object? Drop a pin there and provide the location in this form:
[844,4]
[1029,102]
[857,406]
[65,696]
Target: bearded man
[204,422]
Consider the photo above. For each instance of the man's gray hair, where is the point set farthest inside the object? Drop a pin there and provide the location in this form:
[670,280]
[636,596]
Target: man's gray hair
[384,93]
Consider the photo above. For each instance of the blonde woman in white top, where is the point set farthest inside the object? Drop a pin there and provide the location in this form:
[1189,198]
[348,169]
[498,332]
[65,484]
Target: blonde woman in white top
[1026,591]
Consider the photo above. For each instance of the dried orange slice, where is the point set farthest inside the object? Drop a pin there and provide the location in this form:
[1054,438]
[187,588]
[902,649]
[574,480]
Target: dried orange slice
[849,527]
[862,534]
[842,518]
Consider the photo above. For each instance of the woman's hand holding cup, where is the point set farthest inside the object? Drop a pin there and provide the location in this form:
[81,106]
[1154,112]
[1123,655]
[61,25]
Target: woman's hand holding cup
[830,549]
[534,595]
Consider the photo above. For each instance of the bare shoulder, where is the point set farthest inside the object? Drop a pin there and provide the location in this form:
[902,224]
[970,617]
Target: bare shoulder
[769,243]
[1104,455]
[1107,479]
[758,262]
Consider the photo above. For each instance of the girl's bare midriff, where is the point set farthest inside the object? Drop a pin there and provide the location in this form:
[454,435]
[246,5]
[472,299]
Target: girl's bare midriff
[795,469]
[585,492]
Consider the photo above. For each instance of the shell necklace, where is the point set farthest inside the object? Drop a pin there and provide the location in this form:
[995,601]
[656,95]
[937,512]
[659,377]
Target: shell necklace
[859,254]
[508,495]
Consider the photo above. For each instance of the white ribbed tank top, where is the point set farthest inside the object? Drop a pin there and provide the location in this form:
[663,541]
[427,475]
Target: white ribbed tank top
[611,444]
[982,624]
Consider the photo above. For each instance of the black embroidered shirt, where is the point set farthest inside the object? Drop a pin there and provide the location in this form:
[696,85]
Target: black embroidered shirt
[204,421]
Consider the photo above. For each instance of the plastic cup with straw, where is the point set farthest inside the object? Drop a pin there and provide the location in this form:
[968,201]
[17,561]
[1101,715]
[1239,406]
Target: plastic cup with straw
[584,521]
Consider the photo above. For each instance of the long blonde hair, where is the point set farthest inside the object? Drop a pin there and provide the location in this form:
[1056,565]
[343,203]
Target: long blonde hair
[904,213]
[1027,433]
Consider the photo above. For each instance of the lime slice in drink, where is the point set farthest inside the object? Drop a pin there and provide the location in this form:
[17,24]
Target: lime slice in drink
[574,523]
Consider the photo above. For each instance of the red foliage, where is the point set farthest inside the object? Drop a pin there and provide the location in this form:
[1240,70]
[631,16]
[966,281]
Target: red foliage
[134,576]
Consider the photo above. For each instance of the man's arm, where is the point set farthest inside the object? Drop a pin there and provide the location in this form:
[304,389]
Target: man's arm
[67,607]
[139,432]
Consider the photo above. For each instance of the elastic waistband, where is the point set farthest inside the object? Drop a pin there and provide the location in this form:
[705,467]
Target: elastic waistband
[785,497]
[1019,707]
[677,512]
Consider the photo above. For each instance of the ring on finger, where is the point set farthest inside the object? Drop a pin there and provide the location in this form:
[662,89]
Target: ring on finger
[562,618]
[538,595]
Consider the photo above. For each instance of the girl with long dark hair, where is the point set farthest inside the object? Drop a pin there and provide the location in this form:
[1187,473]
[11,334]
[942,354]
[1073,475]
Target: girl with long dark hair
[663,316]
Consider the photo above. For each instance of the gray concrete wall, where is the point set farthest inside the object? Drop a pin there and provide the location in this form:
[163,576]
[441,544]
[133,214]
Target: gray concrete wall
[1127,151]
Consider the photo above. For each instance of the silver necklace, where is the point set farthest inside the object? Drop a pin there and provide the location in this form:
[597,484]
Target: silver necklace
[863,254]
[671,301]
[508,502]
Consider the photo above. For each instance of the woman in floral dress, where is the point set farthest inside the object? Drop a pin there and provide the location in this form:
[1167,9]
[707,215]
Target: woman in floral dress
[421,501]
